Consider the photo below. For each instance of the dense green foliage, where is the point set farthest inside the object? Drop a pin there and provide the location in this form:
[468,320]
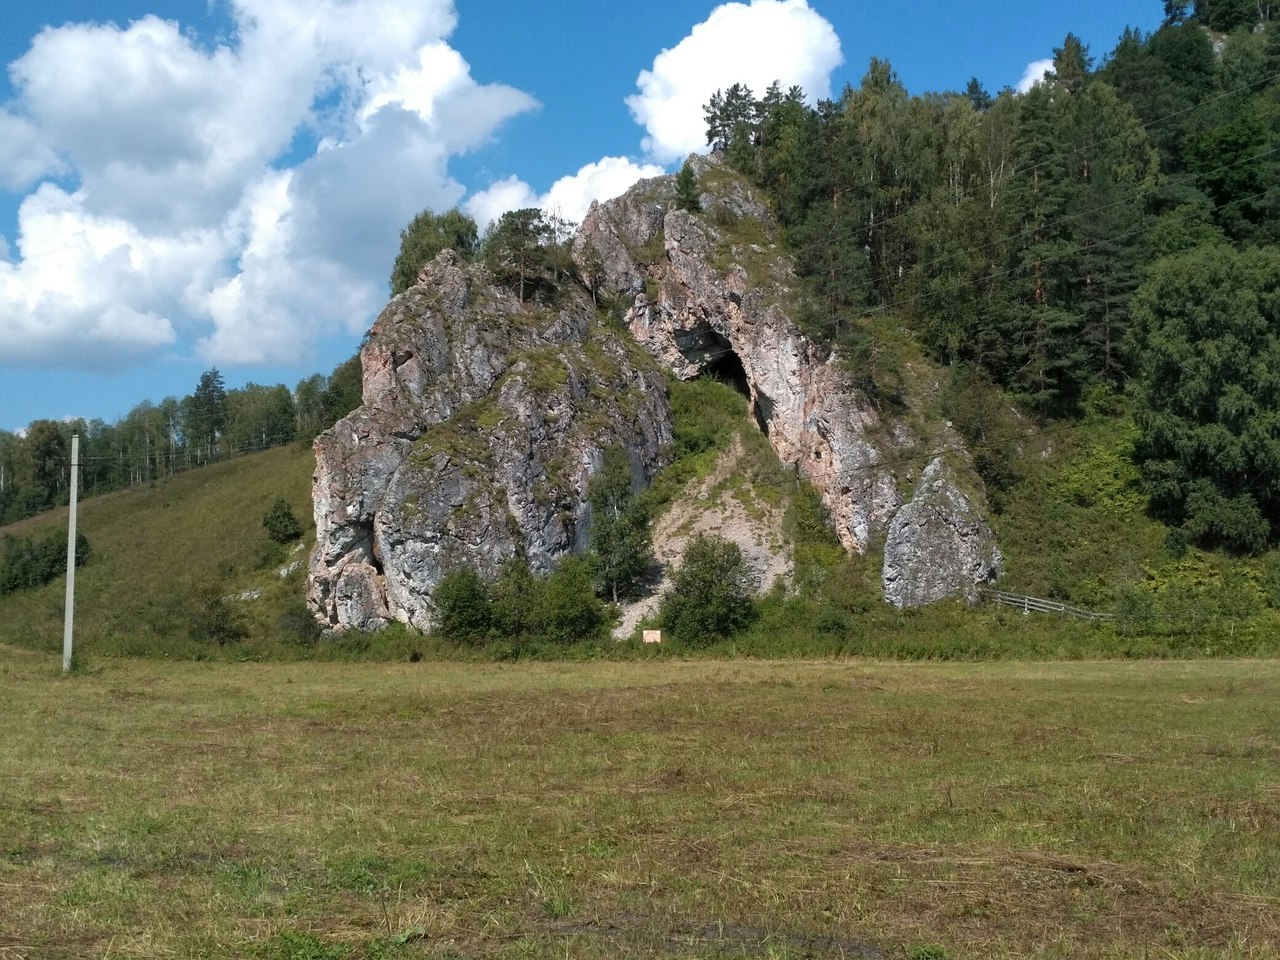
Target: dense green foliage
[281,523]
[621,544]
[425,236]
[461,607]
[518,611]
[1209,393]
[687,190]
[529,251]
[26,562]
[712,594]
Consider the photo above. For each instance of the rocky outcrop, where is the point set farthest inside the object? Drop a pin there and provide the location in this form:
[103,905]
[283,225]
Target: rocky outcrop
[713,292]
[483,419]
[939,545]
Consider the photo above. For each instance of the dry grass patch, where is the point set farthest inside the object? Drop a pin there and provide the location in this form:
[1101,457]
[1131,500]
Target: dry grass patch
[658,809]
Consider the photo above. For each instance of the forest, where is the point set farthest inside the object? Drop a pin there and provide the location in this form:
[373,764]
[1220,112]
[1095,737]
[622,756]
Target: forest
[156,440]
[1107,239]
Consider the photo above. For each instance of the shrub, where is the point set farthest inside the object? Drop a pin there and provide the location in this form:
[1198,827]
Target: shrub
[212,617]
[296,623]
[566,609]
[280,522]
[713,592]
[462,608]
[26,563]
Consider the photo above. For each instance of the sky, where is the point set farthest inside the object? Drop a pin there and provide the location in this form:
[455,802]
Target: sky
[187,184]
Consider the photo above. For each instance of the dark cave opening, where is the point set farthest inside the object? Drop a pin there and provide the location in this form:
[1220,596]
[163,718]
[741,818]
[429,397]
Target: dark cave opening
[762,410]
[726,367]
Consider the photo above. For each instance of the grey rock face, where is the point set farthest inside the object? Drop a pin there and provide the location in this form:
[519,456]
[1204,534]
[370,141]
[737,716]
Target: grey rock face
[483,419]
[708,302]
[717,295]
[939,544]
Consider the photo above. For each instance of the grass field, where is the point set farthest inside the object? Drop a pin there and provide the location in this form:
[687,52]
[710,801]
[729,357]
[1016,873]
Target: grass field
[689,809]
[158,547]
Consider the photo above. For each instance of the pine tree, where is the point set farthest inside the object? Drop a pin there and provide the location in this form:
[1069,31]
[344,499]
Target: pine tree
[687,189]
[516,247]
[205,416]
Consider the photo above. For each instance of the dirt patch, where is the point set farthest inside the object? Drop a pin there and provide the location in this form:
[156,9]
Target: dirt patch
[724,504]
[740,940]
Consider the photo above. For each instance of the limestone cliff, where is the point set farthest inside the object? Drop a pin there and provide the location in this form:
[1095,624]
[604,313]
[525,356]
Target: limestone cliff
[713,291]
[483,419]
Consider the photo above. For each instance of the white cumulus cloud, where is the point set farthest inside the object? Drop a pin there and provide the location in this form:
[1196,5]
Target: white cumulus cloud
[569,197]
[1033,76]
[510,193]
[191,209]
[755,44]
[91,291]
[25,156]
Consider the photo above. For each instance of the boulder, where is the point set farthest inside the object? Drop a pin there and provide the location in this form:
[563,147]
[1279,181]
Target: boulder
[939,545]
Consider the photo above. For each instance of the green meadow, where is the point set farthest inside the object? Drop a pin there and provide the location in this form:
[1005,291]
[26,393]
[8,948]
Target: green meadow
[310,811]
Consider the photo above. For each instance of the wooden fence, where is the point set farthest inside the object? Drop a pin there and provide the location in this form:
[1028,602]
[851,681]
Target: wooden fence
[1029,604]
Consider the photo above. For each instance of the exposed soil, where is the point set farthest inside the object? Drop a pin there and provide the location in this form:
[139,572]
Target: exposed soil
[724,504]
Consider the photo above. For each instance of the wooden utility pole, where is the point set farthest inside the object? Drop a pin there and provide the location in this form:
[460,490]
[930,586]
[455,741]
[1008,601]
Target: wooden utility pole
[71,556]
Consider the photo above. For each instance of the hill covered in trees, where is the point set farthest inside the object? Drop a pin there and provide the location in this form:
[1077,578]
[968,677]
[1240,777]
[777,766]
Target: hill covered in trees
[156,440]
[1105,240]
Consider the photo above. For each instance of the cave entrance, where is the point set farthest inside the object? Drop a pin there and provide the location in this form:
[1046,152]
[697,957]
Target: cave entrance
[725,365]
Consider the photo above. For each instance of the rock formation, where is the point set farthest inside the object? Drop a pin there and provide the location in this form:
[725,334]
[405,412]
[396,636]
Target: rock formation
[939,544]
[483,419]
[484,416]
[712,292]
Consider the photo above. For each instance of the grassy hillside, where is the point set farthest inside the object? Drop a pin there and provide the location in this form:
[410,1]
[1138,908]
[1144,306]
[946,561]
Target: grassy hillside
[701,810]
[183,568]
[164,556]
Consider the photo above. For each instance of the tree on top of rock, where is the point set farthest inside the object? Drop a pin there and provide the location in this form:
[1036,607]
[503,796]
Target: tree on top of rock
[425,236]
[687,189]
[518,247]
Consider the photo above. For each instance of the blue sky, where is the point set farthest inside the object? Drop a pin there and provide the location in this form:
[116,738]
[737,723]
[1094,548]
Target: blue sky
[191,183]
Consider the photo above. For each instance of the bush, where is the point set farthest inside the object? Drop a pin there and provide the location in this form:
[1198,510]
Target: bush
[26,563]
[211,616]
[462,608]
[280,522]
[296,623]
[566,609]
[712,595]
[512,596]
